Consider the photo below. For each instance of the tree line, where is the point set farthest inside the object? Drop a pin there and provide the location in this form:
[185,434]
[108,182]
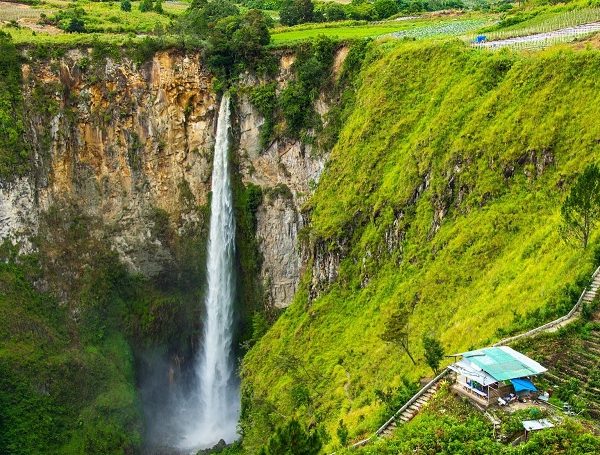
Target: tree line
[293,12]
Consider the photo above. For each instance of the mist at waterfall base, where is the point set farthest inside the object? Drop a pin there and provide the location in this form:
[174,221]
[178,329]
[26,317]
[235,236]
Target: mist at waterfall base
[201,406]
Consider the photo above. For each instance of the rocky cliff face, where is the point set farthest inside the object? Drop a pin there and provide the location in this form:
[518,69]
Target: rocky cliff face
[131,145]
[288,172]
[122,142]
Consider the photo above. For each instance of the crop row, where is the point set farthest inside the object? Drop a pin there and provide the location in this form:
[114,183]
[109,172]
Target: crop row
[454,28]
[552,23]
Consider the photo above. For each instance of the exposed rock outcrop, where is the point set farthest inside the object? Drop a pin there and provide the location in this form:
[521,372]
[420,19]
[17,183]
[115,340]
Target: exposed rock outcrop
[18,217]
[125,141]
[122,141]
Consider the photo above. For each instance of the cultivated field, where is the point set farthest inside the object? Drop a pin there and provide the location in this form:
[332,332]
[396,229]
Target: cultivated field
[413,28]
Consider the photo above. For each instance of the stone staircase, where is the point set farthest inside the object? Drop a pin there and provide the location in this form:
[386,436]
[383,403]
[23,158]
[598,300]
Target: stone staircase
[410,411]
[587,296]
[591,293]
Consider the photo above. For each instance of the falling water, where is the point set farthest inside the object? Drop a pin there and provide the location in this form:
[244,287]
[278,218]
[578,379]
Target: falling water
[218,388]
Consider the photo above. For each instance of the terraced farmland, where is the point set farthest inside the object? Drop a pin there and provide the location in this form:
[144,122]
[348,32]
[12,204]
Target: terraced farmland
[573,362]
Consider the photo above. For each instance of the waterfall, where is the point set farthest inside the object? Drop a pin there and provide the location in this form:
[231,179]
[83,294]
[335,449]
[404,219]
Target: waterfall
[218,388]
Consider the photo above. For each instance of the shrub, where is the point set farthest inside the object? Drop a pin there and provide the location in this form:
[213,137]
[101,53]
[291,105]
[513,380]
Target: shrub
[76,25]
[292,439]
[126,5]
[313,71]
[264,99]
[342,433]
[146,5]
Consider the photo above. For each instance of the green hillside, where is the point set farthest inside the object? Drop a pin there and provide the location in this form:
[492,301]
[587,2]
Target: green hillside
[470,154]
[440,199]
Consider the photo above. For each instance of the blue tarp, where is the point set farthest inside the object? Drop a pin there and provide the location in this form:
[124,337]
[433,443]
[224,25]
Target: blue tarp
[522,385]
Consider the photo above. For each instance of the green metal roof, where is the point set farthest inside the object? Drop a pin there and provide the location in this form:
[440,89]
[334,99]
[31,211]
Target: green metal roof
[503,363]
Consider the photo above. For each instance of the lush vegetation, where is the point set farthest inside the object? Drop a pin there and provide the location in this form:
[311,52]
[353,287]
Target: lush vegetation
[67,353]
[14,153]
[454,165]
[64,387]
[449,426]
[125,22]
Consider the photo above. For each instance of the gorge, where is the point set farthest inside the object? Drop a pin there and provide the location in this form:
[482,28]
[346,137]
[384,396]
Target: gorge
[130,154]
[160,242]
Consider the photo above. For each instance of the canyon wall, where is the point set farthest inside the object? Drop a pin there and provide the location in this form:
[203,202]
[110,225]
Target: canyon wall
[131,146]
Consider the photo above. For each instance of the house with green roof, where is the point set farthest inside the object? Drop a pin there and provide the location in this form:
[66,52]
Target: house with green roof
[489,374]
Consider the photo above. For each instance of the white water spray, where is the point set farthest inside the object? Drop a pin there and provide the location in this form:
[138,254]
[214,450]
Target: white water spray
[219,399]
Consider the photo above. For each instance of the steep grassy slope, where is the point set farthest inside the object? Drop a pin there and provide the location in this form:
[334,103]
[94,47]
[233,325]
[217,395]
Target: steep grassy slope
[442,195]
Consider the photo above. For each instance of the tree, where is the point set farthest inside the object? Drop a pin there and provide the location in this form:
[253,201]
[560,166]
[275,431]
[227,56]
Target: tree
[236,43]
[363,11]
[198,4]
[342,433]
[218,9]
[202,15]
[397,330]
[253,33]
[126,6]
[146,5]
[334,12]
[385,8]
[581,209]
[158,7]
[434,352]
[294,12]
[76,25]
[292,439]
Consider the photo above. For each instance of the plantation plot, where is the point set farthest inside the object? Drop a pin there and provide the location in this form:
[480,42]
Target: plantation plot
[414,28]
[541,40]
[453,28]
[547,24]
